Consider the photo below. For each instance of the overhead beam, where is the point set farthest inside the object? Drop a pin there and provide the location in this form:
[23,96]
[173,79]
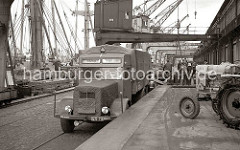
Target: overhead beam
[149,47]
[111,37]
[174,52]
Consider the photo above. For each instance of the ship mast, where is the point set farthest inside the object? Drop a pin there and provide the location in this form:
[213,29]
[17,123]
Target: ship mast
[22,23]
[54,30]
[86,25]
[76,26]
[37,40]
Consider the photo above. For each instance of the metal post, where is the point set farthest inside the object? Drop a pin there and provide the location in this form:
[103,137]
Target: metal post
[5,6]
[86,26]
[14,42]
[76,26]
[54,103]
[121,95]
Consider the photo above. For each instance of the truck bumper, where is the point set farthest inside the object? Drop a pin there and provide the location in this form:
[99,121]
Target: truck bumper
[87,118]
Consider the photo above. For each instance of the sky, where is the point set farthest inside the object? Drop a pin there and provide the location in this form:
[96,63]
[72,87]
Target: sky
[206,11]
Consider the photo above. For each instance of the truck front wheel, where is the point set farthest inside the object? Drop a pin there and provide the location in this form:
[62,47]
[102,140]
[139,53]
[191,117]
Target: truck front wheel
[67,125]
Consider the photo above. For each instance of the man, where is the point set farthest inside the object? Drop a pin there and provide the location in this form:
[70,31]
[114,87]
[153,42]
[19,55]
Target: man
[183,72]
[57,65]
[205,62]
[168,70]
[189,73]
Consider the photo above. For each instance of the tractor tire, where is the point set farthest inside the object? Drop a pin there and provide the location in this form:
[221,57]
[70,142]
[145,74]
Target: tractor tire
[67,125]
[230,106]
[189,108]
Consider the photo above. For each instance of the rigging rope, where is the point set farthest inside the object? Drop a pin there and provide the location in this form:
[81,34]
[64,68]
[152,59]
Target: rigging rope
[71,29]
[53,30]
[60,39]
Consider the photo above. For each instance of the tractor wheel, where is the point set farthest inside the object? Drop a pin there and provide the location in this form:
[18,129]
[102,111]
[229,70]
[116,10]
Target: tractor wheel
[189,108]
[67,125]
[216,102]
[230,106]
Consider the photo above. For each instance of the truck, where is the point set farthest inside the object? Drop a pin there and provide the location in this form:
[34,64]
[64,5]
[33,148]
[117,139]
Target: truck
[110,79]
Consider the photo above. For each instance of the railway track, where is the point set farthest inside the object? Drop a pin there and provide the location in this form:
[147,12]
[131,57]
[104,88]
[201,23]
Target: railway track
[44,143]
[49,140]
[24,100]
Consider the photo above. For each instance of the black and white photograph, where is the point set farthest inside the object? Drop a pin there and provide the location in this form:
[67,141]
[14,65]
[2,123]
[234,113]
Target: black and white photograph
[120,74]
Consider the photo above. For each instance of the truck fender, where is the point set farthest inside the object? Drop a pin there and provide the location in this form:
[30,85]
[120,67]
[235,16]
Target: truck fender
[116,107]
[60,105]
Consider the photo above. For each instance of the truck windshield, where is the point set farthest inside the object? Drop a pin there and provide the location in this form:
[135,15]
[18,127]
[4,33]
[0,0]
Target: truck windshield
[101,73]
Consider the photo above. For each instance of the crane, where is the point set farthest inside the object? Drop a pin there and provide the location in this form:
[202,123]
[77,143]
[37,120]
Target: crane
[153,7]
[187,29]
[178,24]
[138,10]
[141,19]
[164,14]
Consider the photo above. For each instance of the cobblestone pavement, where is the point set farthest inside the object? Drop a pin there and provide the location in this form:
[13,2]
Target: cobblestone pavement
[31,125]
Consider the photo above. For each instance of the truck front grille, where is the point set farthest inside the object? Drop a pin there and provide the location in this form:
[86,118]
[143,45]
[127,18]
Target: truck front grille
[86,103]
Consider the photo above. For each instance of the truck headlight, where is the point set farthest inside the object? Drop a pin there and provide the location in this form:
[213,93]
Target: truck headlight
[105,110]
[68,109]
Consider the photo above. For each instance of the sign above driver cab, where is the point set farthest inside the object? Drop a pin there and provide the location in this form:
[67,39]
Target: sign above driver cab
[111,61]
[91,61]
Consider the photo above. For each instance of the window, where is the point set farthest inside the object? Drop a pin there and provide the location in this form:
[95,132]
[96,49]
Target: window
[111,61]
[91,61]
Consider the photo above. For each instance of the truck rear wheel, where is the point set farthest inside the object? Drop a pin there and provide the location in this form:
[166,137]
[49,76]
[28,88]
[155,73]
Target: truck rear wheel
[67,125]
[189,108]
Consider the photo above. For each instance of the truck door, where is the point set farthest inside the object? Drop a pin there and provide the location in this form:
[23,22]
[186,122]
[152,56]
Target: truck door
[127,79]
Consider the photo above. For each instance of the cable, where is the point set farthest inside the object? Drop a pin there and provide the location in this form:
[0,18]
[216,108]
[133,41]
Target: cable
[195,13]
[58,40]
[71,29]
[61,36]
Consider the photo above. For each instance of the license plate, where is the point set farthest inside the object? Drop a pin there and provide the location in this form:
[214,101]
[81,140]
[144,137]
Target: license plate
[65,117]
[97,119]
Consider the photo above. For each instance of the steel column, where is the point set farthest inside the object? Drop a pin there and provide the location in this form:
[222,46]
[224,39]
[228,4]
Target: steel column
[5,6]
